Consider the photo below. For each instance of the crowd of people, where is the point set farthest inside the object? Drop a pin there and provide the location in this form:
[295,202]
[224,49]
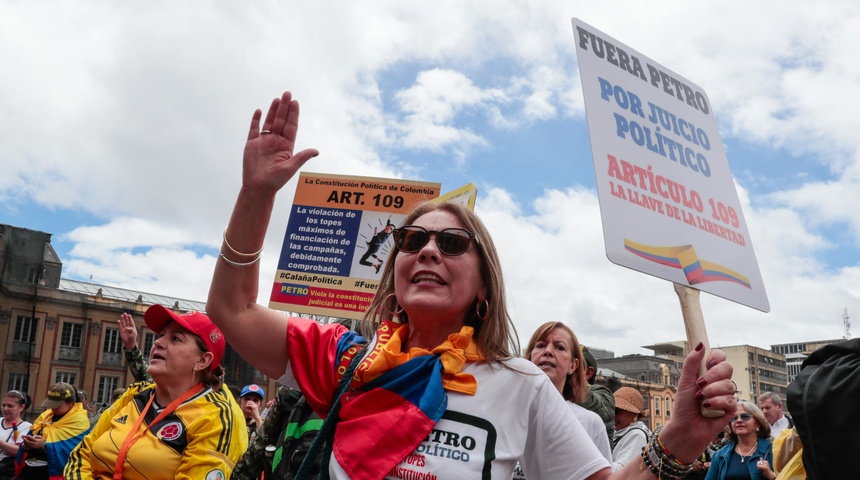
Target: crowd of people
[60,442]
[430,383]
[439,388]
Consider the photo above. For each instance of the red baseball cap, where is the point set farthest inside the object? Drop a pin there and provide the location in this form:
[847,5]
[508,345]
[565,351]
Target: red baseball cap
[157,316]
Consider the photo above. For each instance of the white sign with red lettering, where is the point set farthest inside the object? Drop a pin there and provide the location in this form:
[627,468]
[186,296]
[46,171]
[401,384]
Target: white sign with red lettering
[668,200]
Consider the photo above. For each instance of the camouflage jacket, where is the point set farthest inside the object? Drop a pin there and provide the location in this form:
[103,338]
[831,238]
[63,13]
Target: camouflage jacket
[137,364]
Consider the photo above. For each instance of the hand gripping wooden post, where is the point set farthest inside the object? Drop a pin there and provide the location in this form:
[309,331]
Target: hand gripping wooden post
[694,324]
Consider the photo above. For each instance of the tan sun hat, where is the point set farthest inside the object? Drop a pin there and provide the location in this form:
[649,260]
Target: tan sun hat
[629,399]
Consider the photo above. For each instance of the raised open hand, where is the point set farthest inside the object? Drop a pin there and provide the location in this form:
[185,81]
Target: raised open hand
[269,162]
[127,331]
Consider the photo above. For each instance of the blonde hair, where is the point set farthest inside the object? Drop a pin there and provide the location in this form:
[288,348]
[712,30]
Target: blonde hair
[575,384]
[764,427]
[495,334]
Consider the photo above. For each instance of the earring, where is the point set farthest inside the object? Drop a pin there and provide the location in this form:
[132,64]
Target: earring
[395,315]
[482,303]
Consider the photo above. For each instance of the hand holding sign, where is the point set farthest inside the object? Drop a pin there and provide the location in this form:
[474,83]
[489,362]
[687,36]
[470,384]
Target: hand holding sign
[694,324]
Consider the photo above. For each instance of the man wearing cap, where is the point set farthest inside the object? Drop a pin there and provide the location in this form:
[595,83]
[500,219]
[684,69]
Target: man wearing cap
[600,399]
[630,433]
[54,434]
[251,401]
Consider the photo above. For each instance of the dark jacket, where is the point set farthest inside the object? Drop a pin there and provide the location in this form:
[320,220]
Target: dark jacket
[720,460]
[822,400]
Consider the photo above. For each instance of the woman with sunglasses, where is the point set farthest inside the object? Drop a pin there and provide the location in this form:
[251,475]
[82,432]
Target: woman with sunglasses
[440,391]
[748,453]
[12,431]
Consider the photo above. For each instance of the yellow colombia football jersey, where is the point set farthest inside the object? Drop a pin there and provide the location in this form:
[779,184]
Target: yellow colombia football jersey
[202,439]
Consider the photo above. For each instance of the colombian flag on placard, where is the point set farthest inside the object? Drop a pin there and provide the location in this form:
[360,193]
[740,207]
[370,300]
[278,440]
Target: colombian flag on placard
[685,258]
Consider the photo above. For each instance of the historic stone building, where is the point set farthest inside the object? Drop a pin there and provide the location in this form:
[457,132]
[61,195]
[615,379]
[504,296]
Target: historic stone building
[55,329]
[655,377]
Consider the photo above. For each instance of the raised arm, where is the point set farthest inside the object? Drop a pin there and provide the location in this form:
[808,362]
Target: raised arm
[257,333]
[133,356]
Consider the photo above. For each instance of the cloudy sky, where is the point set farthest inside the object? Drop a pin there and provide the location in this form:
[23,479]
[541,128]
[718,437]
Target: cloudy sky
[122,126]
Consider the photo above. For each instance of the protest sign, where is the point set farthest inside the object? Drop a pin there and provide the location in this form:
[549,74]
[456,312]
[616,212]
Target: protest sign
[668,201]
[667,197]
[337,240]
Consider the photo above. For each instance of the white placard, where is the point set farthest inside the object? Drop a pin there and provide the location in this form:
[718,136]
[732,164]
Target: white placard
[667,197]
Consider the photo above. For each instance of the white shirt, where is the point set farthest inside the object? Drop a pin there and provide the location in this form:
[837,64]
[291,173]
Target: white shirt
[778,426]
[595,428]
[628,444]
[6,435]
[515,415]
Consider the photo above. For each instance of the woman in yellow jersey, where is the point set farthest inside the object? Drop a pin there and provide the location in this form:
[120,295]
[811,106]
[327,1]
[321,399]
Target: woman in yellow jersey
[183,425]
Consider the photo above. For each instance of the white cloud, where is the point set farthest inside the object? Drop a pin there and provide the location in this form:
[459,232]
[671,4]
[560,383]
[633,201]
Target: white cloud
[138,113]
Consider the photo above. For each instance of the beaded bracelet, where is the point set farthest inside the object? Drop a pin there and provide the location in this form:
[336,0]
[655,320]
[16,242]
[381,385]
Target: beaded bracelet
[239,264]
[661,462]
[258,252]
[659,467]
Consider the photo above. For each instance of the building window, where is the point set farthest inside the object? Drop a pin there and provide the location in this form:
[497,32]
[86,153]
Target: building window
[668,406]
[68,377]
[657,401]
[107,385]
[33,274]
[25,329]
[18,381]
[70,341]
[112,347]
[25,335]
[148,340]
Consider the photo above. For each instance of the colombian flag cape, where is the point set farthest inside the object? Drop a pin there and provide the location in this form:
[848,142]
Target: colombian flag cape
[61,437]
[395,398]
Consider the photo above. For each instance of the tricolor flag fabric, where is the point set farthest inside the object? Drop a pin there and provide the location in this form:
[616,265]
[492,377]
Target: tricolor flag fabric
[389,414]
[61,437]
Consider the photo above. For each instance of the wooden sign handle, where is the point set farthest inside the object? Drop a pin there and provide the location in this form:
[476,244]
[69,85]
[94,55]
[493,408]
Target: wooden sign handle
[694,324]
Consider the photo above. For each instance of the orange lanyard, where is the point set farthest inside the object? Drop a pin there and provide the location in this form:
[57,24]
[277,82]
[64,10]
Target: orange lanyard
[135,435]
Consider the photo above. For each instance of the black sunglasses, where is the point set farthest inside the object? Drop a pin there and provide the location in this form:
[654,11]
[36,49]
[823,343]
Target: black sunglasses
[743,416]
[451,241]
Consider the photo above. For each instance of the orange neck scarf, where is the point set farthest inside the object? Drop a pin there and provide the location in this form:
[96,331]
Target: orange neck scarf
[454,353]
